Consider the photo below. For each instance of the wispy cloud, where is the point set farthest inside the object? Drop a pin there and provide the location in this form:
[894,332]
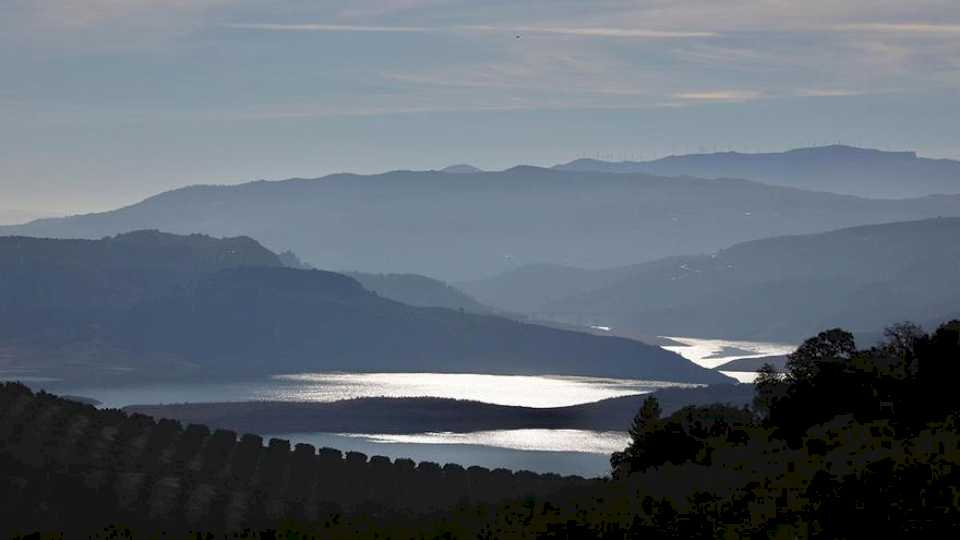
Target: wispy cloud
[327,111]
[729,96]
[326,28]
[380,8]
[828,92]
[591,31]
[602,32]
[904,28]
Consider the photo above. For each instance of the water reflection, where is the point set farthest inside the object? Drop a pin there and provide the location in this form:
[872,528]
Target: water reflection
[544,440]
[742,376]
[528,391]
[462,452]
[711,353]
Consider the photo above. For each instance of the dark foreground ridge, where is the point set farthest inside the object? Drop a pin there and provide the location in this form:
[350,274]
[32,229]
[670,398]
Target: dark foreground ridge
[61,454]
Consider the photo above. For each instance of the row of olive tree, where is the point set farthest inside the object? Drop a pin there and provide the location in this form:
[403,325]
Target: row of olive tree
[161,471]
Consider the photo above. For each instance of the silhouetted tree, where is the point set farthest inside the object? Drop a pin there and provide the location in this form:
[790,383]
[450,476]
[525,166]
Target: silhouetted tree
[830,346]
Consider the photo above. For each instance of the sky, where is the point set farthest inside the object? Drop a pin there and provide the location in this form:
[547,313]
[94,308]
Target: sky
[106,102]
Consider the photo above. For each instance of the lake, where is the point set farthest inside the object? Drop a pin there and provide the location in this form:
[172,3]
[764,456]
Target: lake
[526,391]
[585,453]
[711,353]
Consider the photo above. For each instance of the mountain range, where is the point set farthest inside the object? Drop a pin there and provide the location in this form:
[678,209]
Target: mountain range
[150,305]
[466,226]
[782,288]
[837,169]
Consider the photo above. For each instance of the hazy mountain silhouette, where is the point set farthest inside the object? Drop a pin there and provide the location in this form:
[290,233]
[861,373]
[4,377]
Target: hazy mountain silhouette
[468,226]
[412,289]
[148,305]
[863,278]
[292,260]
[837,169]
[530,288]
[417,290]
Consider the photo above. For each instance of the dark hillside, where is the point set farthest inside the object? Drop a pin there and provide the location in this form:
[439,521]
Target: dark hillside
[152,305]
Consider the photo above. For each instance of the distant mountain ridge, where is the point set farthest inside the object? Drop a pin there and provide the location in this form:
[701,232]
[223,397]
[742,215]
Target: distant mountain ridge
[782,288]
[837,169]
[149,305]
[461,168]
[466,226]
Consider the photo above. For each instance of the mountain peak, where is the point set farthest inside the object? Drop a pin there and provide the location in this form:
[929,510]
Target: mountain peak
[461,168]
[526,169]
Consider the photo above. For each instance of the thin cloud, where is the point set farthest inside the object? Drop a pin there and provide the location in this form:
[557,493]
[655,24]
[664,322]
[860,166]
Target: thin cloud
[602,32]
[590,31]
[326,28]
[906,28]
[733,96]
[829,92]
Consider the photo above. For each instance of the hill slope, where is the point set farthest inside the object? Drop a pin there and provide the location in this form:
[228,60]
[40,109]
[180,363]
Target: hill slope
[111,310]
[862,278]
[466,226]
[837,169]
[417,290]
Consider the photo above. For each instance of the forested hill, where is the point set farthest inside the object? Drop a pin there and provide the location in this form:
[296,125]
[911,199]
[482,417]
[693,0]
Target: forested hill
[782,288]
[838,169]
[466,226]
[117,271]
[88,310]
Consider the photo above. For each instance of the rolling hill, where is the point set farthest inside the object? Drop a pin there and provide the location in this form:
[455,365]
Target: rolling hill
[782,288]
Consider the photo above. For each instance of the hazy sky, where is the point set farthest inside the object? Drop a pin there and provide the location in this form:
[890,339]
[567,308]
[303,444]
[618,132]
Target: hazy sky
[104,102]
